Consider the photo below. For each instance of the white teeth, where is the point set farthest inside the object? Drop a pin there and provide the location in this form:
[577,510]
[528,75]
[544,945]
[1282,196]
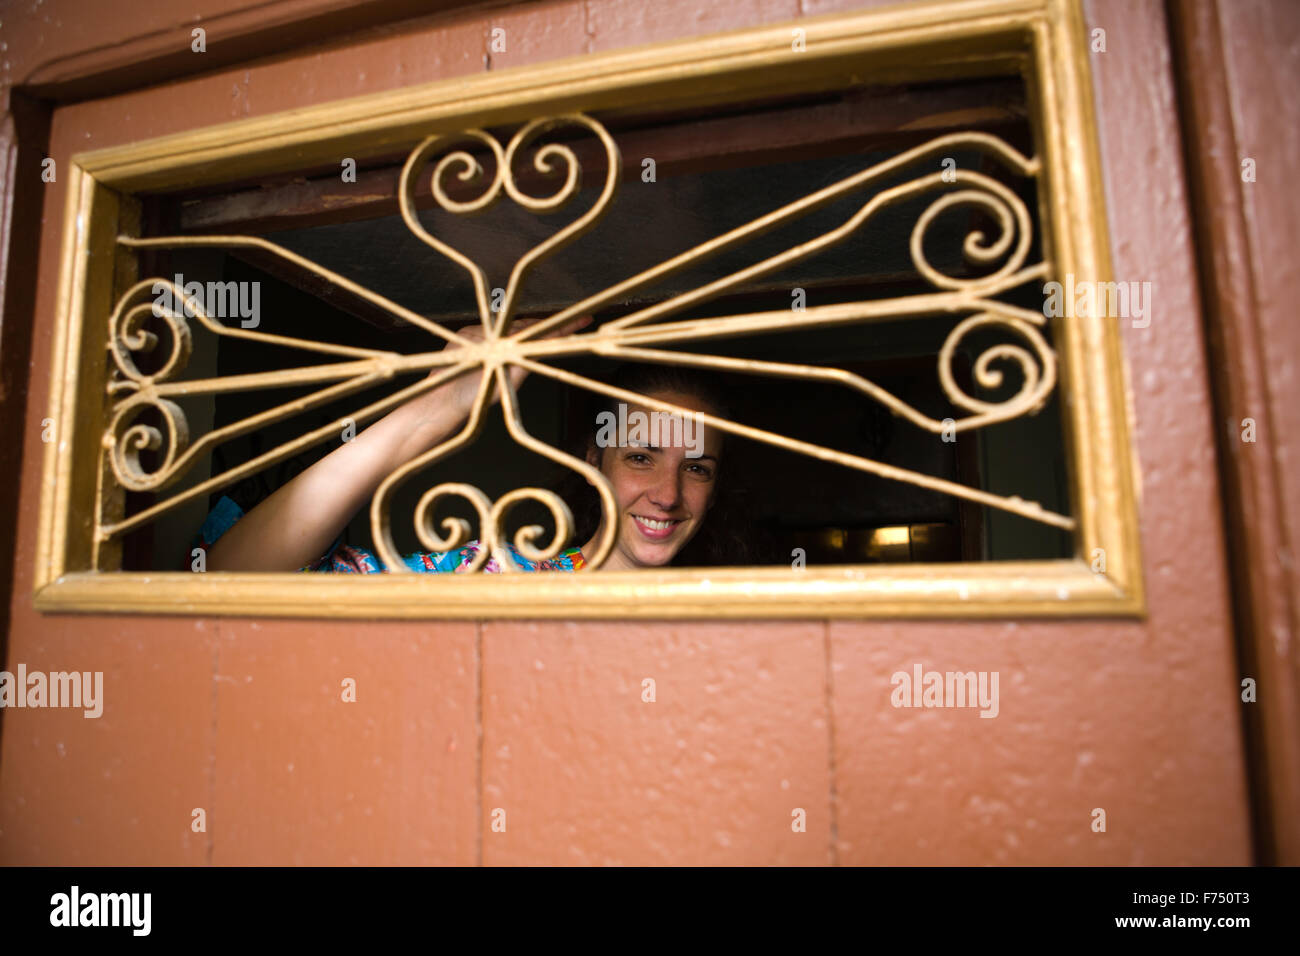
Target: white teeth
[656,525]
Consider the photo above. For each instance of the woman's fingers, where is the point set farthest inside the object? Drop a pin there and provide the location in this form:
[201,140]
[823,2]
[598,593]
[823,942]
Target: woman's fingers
[518,374]
[567,328]
[475,333]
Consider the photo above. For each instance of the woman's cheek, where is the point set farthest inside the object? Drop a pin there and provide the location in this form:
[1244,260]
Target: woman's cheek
[628,487]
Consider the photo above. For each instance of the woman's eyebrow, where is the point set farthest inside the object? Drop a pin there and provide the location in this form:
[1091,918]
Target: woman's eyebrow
[656,448]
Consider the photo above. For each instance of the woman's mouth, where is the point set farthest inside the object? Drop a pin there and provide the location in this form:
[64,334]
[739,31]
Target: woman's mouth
[656,528]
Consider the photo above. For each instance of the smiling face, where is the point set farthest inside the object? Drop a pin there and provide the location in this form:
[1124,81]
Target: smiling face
[662,493]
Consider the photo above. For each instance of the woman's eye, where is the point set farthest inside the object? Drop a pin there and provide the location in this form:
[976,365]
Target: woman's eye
[703,471]
[637,458]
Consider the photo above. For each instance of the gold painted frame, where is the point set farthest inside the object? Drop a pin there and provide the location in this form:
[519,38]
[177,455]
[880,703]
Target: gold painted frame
[1043,40]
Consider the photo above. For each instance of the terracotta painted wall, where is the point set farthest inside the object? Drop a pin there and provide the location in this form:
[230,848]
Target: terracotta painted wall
[243,717]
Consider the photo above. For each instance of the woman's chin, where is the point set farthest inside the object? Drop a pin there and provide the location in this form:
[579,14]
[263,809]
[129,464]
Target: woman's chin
[648,554]
[654,557]
[642,551]
[651,554]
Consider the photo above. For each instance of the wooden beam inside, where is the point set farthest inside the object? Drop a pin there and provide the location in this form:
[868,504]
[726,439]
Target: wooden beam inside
[866,120]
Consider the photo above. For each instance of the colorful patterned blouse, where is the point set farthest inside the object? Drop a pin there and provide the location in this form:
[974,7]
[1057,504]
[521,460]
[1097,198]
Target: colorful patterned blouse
[352,560]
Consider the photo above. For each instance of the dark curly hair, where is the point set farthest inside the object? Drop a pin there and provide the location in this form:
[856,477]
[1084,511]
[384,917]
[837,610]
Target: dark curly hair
[720,539]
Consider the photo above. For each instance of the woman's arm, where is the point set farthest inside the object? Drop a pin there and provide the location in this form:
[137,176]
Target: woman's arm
[295,525]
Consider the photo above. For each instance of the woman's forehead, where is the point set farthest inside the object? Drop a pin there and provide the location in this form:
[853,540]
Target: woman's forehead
[650,426]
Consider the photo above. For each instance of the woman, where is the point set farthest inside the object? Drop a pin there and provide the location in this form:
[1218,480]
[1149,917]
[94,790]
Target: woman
[663,493]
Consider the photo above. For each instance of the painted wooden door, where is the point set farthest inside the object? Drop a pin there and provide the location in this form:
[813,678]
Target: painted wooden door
[543,724]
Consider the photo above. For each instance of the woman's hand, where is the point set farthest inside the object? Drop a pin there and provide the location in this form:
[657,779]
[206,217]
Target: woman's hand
[451,403]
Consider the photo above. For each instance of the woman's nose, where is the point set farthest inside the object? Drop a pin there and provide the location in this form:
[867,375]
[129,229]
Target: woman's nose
[666,492]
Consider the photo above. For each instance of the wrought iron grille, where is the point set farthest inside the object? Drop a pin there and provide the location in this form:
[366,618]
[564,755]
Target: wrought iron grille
[645,335]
